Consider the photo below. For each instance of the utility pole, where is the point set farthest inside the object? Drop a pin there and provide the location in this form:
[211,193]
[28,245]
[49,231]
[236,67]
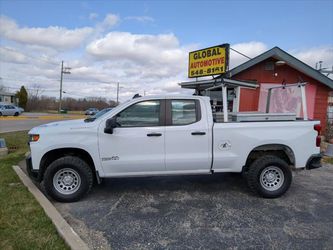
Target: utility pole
[117,93]
[63,71]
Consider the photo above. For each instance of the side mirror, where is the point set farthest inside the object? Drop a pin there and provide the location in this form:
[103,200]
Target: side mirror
[110,125]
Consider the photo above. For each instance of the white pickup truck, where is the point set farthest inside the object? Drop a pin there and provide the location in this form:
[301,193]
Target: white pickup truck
[169,135]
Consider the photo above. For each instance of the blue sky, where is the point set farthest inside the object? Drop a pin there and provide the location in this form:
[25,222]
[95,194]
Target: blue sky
[288,24]
[303,28]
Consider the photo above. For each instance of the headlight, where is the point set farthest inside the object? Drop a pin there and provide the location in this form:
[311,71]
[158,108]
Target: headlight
[33,138]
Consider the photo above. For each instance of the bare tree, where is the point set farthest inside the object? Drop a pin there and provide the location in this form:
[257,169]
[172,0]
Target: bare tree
[34,94]
[2,88]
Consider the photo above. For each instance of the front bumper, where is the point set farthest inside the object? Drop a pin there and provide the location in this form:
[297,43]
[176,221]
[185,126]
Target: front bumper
[34,174]
[314,161]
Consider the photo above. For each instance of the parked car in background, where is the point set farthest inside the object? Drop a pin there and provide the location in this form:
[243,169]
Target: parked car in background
[91,111]
[97,115]
[21,109]
[9,109]
[102,112]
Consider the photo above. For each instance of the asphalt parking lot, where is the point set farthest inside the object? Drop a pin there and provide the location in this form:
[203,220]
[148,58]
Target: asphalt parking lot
[205,212]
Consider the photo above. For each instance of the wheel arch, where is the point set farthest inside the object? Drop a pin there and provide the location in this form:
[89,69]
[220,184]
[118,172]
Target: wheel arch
[280,150]
[55,154]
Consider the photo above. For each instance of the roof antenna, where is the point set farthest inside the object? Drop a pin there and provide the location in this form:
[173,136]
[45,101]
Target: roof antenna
[136,96]
[284,84]
[300,80]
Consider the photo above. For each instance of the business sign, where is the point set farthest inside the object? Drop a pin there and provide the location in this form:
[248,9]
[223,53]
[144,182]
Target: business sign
[209,61]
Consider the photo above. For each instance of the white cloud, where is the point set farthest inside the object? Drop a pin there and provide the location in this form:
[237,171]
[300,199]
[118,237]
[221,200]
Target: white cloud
[150,63]
[250,49]
[141,49]
[142,19]
[52,36]
[110,20]
[12,56]
[313,55]
[93,16]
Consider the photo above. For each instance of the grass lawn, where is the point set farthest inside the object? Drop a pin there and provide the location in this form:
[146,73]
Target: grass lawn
[23,223]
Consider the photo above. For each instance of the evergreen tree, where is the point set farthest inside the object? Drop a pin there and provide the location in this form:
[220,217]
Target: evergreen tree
[22,95]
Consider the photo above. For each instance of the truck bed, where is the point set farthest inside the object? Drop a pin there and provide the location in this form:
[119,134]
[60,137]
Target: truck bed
[233,141]
[254,117]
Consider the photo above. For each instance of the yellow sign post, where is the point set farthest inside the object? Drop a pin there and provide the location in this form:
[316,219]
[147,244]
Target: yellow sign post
[209,61]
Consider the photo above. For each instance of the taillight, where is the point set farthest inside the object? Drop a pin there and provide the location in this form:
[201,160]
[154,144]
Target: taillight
[317,127]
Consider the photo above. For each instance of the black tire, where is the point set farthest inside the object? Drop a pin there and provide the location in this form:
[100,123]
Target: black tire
[0,114]
[73,168]
[269,176]
[16,114]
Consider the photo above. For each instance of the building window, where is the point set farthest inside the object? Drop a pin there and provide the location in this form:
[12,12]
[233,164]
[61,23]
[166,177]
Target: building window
[330,97]
[269,66]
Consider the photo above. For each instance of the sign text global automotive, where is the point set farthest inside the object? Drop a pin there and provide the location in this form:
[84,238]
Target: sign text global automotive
[209,61]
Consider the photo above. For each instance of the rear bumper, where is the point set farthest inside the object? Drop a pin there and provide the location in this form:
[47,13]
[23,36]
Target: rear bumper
[34,174]
[314,161]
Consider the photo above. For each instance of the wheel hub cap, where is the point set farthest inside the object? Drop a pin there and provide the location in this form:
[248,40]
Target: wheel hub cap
[271,178]
[66,181]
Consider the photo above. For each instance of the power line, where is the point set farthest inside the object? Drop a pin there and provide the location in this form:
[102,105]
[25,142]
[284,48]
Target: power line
[27,81]
[51,79]
[48,90]
[30,56]
[240,53]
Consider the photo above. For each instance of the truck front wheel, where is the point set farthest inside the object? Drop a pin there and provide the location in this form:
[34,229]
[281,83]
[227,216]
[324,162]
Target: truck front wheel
[269,176]
[68,179]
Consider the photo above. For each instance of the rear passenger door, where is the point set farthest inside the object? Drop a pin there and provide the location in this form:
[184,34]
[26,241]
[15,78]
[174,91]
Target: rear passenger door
[9,110]
[187,136]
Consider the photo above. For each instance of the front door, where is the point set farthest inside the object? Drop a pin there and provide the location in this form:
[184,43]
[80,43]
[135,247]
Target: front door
[137,144]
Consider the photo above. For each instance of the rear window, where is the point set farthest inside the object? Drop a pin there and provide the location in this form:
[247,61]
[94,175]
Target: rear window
[183,112]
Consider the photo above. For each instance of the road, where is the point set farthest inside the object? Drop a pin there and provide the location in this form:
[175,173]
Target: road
[27,121]
[205,212]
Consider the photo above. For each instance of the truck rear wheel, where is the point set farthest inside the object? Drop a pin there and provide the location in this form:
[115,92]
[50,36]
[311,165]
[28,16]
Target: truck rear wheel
[68,179]
[269,176]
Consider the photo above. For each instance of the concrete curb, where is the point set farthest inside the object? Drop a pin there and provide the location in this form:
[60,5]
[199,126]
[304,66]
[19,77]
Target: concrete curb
[64,229]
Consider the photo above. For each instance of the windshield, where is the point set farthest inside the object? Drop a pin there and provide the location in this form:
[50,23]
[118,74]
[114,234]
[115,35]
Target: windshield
[104,111]
[97,115]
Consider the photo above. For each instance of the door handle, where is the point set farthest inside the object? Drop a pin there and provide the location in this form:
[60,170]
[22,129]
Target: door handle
[154,134]
[198,133]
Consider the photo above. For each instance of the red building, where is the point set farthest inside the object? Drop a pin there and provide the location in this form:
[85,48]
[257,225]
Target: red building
[275,67]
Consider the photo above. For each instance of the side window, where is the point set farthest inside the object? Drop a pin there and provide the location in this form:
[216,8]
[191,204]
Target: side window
[142,114]
[183,112]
